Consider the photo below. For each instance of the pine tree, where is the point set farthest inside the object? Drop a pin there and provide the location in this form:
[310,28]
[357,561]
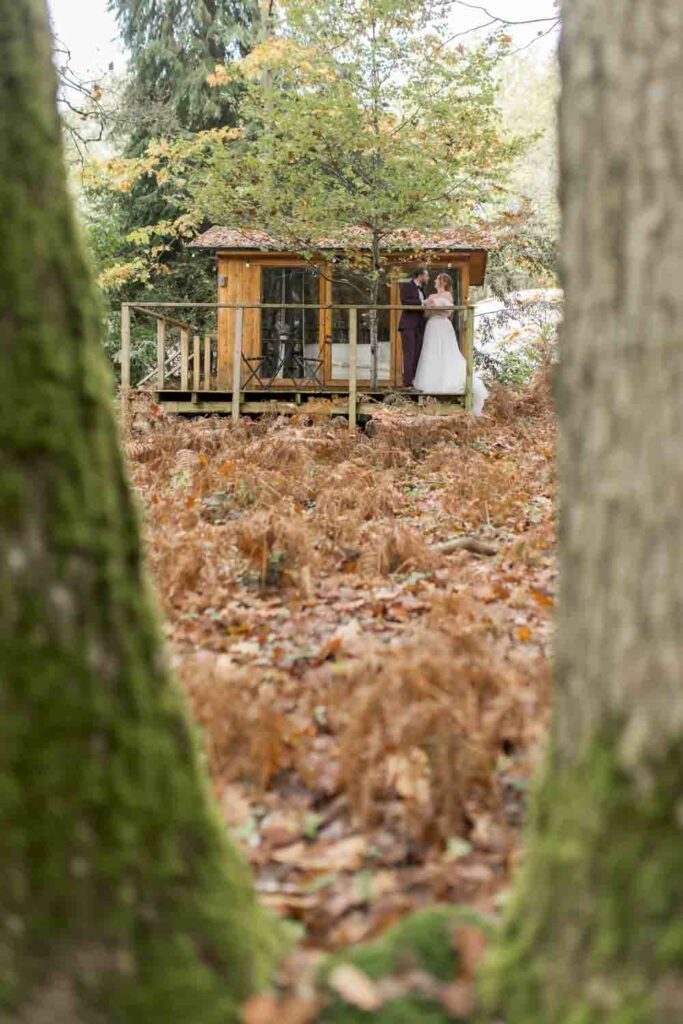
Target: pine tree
[121,897]
[174,46]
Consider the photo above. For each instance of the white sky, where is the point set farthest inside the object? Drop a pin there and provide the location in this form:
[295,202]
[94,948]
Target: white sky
[90,32]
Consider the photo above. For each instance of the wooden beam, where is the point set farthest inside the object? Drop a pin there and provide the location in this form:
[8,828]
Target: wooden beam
[203,406]
[196,364]
[237,364]
[145,310]
[207,362]
[125,364]
[353,370]
[469,357]
[125,349]
[184,360]
[161,353]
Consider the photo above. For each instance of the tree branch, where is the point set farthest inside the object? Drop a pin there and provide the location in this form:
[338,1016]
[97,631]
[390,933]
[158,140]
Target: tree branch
[555,19]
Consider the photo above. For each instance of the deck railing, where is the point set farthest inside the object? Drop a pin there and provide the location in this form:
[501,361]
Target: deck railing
[192,357]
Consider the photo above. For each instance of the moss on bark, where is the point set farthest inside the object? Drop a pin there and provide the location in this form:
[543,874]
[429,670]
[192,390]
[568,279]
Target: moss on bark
[120,898]
[595,932]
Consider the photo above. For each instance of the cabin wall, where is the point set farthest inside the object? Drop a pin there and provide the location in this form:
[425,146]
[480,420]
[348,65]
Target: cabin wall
[243,279]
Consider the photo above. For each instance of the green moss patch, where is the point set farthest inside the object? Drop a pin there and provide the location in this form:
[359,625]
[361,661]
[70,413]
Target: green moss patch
[421,945]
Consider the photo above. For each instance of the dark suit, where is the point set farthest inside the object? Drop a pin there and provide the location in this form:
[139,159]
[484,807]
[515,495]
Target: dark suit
[412,328]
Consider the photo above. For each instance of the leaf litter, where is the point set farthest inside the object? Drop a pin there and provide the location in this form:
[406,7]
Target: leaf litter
[373,698]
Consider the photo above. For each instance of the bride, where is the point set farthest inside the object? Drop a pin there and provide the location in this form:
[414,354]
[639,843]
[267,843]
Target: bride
[442,368]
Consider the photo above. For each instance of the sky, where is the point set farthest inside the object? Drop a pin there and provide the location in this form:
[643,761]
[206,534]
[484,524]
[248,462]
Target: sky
[92,37]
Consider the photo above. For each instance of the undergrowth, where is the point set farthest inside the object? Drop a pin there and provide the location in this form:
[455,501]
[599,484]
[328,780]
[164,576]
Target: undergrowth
[368,701]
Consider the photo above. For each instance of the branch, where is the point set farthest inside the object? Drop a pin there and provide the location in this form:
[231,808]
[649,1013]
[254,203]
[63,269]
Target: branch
[473,544]
[541,35]
[82,97]
[555,19]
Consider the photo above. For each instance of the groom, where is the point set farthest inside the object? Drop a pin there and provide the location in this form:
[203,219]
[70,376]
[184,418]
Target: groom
[412,325]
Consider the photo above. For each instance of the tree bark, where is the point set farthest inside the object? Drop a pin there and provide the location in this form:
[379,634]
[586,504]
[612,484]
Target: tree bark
[120,898]
[594,934]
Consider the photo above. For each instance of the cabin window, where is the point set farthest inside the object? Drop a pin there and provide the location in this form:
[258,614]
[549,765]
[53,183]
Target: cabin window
[352,288]
[290,337]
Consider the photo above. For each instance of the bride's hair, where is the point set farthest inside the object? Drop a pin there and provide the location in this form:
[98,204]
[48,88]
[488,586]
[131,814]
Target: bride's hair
[446,280]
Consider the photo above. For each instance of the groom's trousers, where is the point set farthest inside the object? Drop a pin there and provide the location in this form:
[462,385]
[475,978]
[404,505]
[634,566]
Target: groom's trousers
[411,338]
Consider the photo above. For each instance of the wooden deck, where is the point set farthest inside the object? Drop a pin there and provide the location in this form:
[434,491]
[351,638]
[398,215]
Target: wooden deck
[192,377]
[290,401]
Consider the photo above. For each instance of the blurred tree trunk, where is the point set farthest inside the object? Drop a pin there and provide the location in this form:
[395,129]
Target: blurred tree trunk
[120,899]
[595,933]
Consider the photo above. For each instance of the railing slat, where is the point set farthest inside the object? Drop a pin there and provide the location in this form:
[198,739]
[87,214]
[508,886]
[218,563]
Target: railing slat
[196,364]
[353,370]
[184,359]
[237,365]
[161,354]
[125,358]
[469,357]
[207,362]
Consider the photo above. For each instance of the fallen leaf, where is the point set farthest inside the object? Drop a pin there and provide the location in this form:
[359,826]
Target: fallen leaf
[409,776]
[280,828]
[293,854]
[329,650]
[263,1009]
[458,999]
[346,855]
[397,613]
[266,1009]
[235,806]
[542,597]
[355,988]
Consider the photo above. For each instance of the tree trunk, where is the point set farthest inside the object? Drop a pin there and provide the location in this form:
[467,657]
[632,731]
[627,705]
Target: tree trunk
[120,898]
[595,932]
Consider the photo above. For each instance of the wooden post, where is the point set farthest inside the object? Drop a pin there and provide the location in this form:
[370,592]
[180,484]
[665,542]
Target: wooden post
[196,364]
[469,356]
[161,353]
[353,370]
[237,364]
[125,361]
[207,362]
[184,359]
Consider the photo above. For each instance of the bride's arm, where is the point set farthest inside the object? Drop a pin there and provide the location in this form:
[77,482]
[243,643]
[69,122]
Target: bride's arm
[448,310]
[439,305]
[431,305]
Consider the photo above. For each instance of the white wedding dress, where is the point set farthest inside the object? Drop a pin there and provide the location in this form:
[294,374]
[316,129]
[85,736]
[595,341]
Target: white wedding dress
[442,369]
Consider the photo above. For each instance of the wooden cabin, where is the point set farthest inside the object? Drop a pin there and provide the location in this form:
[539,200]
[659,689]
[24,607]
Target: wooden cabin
[288,342]
[297,328]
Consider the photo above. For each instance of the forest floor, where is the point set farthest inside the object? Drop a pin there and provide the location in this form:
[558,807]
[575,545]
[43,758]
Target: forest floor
[372,705]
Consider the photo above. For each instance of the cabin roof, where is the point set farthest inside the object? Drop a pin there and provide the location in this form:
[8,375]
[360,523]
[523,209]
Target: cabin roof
[446,240]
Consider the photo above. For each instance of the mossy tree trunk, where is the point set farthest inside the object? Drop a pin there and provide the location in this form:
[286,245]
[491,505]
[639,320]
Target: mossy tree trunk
[595,933]
[120,899]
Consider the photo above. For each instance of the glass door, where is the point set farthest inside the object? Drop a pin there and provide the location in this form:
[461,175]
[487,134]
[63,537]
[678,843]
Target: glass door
[290,337]
[350,288]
